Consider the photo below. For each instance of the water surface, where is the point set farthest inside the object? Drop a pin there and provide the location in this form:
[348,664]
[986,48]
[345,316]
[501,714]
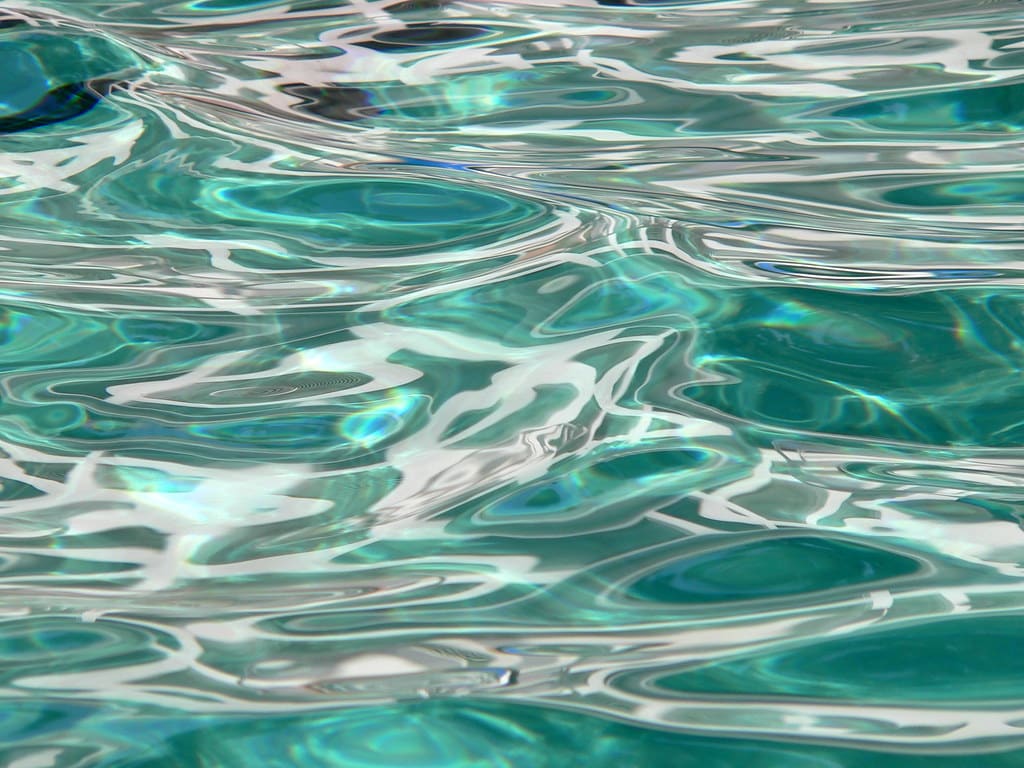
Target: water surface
[511,383]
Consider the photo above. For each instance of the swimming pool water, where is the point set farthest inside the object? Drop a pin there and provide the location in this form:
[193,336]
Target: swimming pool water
[513,383]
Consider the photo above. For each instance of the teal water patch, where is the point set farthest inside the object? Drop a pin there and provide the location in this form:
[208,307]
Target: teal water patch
[428,734]
[945,662]
[776,567]
[467,735]
[938,368]
[53,76]
[997,108]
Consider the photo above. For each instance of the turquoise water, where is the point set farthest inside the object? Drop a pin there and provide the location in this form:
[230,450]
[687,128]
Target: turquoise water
[511,383]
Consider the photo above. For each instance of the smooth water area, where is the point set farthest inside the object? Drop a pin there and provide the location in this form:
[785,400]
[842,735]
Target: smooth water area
[515,383]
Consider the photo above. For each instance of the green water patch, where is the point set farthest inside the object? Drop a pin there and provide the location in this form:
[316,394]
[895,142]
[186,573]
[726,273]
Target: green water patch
[775,567]
[431,734]
[55,76]
[947,661]
[607,490]
[995,108]
[932,367]
[51,648]
[352,216]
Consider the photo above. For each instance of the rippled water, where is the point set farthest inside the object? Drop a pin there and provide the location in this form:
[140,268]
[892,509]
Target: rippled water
[512,383]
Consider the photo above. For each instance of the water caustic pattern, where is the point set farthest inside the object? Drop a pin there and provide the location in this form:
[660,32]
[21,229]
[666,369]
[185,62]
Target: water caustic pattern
[399,383]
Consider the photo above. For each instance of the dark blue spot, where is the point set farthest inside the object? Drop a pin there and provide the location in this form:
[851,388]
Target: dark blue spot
[423,34]
[332,102]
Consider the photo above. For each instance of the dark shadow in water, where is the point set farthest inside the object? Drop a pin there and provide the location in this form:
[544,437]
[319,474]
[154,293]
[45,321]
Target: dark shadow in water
[418,35]
[410,6]
[332,102]
[59,104]
[635,3]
